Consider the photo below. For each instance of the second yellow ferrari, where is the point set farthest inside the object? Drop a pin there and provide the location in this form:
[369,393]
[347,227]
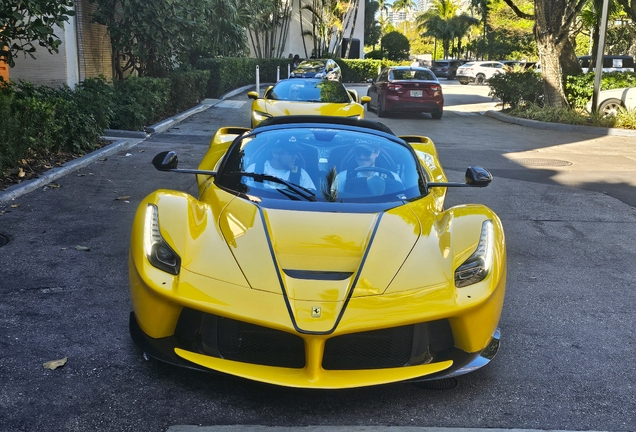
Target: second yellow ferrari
[307,97]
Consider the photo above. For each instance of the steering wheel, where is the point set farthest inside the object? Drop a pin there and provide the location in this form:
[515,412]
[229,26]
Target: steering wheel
[380,170]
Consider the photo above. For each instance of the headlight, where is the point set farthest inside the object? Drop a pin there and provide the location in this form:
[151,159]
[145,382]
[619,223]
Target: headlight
[158,252]
[260,115]
[478,265]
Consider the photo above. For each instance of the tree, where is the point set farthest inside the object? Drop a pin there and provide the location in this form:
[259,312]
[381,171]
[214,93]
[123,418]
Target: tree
[268,25]
[372,27]
[396,46]
[437,22]
[356,7]
[151,36]
[27,23]
[591,17]
[553,19]
[404,6]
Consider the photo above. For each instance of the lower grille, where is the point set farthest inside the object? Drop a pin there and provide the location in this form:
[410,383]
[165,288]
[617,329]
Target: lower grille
[389,348]
[378,349]
[239,341]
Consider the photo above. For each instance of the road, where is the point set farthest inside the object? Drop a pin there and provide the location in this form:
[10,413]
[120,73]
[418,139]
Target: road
[567,201]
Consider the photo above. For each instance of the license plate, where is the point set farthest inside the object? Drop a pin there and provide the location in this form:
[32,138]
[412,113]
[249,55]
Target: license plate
[416,93]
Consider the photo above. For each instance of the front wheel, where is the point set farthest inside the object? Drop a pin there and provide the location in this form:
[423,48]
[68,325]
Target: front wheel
[463,82]
[480,79]
[610,107]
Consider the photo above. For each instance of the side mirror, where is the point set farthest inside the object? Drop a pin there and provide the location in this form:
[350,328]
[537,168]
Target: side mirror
[365,99]
[252,95]
[166,161]
[478,177]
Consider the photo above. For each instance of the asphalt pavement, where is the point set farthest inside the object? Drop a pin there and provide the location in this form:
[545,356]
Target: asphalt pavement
[566,362]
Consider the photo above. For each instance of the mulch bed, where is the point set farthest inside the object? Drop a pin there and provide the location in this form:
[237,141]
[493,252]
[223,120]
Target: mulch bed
[31,168]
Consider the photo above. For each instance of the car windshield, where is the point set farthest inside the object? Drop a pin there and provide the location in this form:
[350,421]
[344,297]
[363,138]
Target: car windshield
[321,164]
[414,74]
[300,90]
[312,66]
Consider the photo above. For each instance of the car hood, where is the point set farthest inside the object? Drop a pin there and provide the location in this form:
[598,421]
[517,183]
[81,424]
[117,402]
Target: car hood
[322,259]
[322,256]
[280,108]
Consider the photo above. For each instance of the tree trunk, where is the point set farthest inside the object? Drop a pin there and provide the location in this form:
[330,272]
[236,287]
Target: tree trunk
[549,53]
[569,63]
[353,27]
[302,31]
[553,19]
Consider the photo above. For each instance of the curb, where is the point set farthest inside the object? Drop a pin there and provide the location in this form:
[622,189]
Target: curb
[592,130]
[20,189]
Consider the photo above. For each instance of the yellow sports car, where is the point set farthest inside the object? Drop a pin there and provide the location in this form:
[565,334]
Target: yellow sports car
[299,96]
[319,254]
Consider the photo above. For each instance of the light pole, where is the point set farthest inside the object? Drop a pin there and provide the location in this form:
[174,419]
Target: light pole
[598,72]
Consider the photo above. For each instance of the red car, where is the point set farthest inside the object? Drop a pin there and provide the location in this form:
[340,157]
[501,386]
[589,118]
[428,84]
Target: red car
[406,88]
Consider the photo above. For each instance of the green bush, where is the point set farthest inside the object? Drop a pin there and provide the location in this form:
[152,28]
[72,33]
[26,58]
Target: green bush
[41,121]
[516,88]
[580,88]
[361,70]
[396,46]
[187,89]
[140,102]
[227,74]
[374,55]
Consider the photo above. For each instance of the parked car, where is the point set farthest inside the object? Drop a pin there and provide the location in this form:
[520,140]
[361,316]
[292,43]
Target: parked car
[405,88]
[479,71]
[306,96]
[327,287]
[611,63]
[445,68]
[318,68]
[611,101]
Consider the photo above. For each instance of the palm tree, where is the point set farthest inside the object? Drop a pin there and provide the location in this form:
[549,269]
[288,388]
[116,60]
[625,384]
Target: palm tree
[356,6]
[461,25]
[403,5]
[437,22]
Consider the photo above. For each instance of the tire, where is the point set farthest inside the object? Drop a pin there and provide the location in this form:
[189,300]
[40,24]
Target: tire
[437,114]
[610,107]
[480,79]
[463,82]
[379,110]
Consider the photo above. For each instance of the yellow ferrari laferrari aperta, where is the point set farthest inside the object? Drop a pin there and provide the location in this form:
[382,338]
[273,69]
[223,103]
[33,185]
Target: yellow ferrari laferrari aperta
[319,254]
[299,96]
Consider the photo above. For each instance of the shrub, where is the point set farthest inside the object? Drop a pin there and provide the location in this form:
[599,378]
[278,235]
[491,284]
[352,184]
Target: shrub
[517,88]
[361,70]
[396,46]
[187,89]
[140,101]
[580,88]
[230,73]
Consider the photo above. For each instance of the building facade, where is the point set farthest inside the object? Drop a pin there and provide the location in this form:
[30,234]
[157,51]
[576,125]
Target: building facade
[85,50]
[84,53]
